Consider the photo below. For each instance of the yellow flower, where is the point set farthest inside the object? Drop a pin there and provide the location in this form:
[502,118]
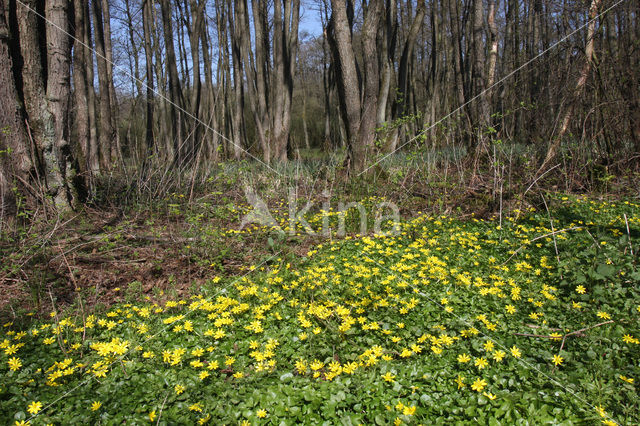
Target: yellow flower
[262,413]
[481,363]
[96,405]
[600,410]
[580,289]
[196,407]
[489,395]
[152,415]
[179,389]
[488,346]
[462,358]
[238,375]
[627,338]
[14,363]
[515,352]
[498,355]
[388,377]
[460,381]
[626,379]
[510,309]
[479,384]
[203,375]
[34,407]
[557,360]
[604,315]
[409,411]
[23,423]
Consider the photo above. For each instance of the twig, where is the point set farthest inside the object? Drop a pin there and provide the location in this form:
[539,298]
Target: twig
[548,328]
[536,335]
[161,408]
[578,332]
[582,330]
[628,233]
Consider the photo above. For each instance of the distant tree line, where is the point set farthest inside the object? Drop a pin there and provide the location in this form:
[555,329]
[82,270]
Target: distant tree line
[96,86]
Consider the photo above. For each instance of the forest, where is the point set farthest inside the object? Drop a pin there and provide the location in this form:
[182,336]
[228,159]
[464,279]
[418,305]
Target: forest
[319,211]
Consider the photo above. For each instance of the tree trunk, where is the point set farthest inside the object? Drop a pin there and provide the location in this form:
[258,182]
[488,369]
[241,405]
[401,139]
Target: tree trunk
[197,21]
[81,95]
[579,88]
[58,91]
[116,151]
[482,107]
[176,104]
[15,162]
[147,18]
[94,147]
[360,118]
[107,131]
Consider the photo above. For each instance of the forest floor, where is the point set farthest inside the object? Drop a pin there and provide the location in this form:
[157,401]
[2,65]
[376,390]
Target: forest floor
[481,308]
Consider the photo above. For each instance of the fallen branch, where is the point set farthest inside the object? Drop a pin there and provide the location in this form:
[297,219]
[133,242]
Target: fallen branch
[581,331]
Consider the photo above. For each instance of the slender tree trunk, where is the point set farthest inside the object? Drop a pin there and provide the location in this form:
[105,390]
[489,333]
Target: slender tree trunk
[147,18]
[493,43]
[134,46]
[197,21]
[238,105]
[116,150]
[81,95]
[261,76]
[579,88]
[176,104]
[94,145]
[107,132]
[482,107]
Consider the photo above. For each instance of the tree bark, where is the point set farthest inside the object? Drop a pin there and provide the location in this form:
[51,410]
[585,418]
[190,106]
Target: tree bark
[81,95]
[58,92]
[360,117]
[147,18]
[107,131]
[15,162]
[176,103]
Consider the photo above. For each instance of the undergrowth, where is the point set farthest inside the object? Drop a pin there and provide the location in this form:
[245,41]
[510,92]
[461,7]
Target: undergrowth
[530,316]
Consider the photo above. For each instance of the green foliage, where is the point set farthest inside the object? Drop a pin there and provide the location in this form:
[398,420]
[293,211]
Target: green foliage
[447,322]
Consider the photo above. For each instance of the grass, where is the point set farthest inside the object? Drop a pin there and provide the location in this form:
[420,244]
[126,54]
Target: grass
[529,317]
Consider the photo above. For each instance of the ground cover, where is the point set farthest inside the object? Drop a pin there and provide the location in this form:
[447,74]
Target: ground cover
[529,318]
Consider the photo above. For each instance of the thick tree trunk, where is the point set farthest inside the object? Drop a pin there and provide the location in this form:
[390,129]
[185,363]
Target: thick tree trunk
[15,161]
[58,92]
[360,118]
[349,86]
